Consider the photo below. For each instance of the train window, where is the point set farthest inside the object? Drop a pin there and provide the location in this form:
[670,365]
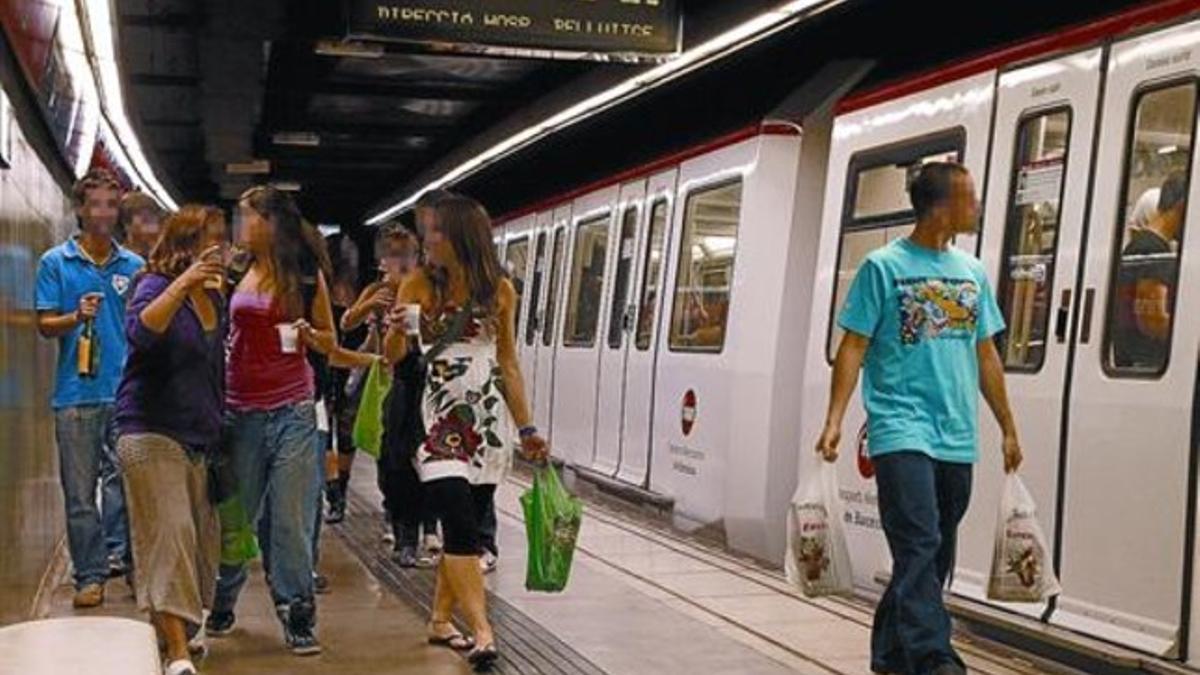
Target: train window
[517,258]
[1145,277]
[651,268]
[877,209]
[552,292]
[705,275]
[539,268]
[1031,237]
[620,295]
[587,282]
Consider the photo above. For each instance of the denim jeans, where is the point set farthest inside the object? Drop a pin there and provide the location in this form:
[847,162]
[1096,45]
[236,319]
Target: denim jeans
[921,501]
[272,453]
[264,523]
[86,454]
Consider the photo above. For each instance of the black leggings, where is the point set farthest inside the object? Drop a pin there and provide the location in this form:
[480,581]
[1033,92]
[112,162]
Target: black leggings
[453,502]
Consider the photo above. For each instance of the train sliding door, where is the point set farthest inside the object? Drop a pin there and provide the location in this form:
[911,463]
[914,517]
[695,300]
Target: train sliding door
[1033,218]
[519,236]
[549,263]
[1129,462]
[614,349]
[577,361]
[642,343]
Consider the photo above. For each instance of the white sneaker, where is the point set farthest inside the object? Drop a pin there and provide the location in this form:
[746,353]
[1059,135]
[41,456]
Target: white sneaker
[180,667]
[488,562]
[433,544]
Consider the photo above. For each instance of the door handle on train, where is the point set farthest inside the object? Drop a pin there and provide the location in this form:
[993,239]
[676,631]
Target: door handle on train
[1089,302]
[1064,313]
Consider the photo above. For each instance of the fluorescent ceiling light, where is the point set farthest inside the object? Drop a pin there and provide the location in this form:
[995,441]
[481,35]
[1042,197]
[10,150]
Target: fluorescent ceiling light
[250,168]
[350,48]
[305,138]
[737,38]
[96,22]
[286,185]
[329,230]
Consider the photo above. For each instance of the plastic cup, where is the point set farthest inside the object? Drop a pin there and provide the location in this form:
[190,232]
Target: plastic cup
[289,338]
[412,319]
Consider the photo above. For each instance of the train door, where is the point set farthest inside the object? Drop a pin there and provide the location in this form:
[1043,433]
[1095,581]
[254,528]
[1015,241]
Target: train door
[646,298]
[1033,218]
[577,361]
[519,261]
[614,348]
[1128,462]
[556,234]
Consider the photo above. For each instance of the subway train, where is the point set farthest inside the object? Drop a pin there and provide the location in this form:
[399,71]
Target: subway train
[677,320]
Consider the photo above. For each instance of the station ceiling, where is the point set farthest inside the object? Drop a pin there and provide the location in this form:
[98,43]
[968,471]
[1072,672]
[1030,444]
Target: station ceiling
[215,84]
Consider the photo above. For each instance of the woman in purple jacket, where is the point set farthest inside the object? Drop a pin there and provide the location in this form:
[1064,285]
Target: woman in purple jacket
[168,417]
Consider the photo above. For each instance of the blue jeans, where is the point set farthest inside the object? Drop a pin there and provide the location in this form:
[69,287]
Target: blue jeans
[272,453]
[86,455]
[264,523]
[921,501]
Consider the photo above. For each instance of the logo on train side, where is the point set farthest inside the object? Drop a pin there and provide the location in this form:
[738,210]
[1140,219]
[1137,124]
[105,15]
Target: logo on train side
[688,414]
[866,468]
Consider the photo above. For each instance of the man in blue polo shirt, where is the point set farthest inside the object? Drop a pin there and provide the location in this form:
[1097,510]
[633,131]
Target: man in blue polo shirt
[919,322]
[86,280]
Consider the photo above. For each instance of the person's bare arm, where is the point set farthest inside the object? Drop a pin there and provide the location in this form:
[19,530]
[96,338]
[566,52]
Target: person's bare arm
[157,315]
[506,354]
[52,324]
[375,296]
[850,354]
[340,357]
[395,340]
[991,383]
[320,335]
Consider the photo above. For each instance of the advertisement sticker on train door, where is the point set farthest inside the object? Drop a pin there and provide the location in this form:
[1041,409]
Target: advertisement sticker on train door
[688,414]
[1040,181]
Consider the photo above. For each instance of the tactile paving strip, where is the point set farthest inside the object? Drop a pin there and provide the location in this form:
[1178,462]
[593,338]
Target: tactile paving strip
[526,647]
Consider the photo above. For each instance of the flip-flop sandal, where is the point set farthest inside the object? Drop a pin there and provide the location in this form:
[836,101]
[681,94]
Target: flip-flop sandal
[456,641]
[482,658]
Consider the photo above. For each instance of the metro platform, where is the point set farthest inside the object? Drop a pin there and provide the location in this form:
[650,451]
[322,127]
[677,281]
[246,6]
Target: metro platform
[643,598]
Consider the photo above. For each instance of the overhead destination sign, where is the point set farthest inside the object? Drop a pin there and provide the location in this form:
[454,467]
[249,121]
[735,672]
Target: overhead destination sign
[596,27]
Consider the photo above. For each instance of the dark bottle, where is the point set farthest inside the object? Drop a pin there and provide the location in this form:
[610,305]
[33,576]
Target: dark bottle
[87,357]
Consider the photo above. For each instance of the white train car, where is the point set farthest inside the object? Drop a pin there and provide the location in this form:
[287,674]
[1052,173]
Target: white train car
[1064,135]
[677,322]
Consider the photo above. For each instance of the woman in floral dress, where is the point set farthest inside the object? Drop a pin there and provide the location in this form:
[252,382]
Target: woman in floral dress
[468,306]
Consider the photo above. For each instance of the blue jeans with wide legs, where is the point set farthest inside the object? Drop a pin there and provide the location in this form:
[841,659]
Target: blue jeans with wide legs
[272,453]
[85,457]
[921,502]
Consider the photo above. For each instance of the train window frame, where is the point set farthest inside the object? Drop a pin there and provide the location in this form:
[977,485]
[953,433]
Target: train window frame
[517,240]
[664,200]
[550,309]
[1118,239]
[539,258]
[617,312]
[1010,212]
[693,191]
[604,218]
[913,148]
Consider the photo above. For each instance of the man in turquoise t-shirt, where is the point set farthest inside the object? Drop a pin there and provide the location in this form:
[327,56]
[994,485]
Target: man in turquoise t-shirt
[919,320]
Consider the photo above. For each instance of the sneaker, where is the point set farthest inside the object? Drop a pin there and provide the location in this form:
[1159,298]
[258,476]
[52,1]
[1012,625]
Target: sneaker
[320,584]
[219,624]
[487,562]
[433,544]
[180,667]
[298,628]
[406,556]
[337,512]
[91,595]
[117,567]
[426,560]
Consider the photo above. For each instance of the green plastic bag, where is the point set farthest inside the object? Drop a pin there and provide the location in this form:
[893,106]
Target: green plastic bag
[368,423]
[239,545]
[552,519]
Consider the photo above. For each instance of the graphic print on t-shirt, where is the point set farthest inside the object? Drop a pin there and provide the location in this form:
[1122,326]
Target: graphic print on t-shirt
[936,308]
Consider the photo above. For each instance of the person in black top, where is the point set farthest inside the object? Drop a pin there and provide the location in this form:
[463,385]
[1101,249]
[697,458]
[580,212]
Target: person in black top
[1148,272]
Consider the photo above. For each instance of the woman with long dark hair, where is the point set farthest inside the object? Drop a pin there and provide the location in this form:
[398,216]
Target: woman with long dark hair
[168,418]
[467,307]
[279,309]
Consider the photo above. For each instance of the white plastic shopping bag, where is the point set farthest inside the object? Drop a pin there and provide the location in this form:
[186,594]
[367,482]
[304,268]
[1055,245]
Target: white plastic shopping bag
[817,560]
[1022,570]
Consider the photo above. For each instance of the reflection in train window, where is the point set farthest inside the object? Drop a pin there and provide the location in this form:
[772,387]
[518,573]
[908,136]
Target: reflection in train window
[651,277]
[516,259]
[616,319]
[587,282]
[705,275]
[1031,237]
[539,268]
[548,313]
[880,211]
[1137,336]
